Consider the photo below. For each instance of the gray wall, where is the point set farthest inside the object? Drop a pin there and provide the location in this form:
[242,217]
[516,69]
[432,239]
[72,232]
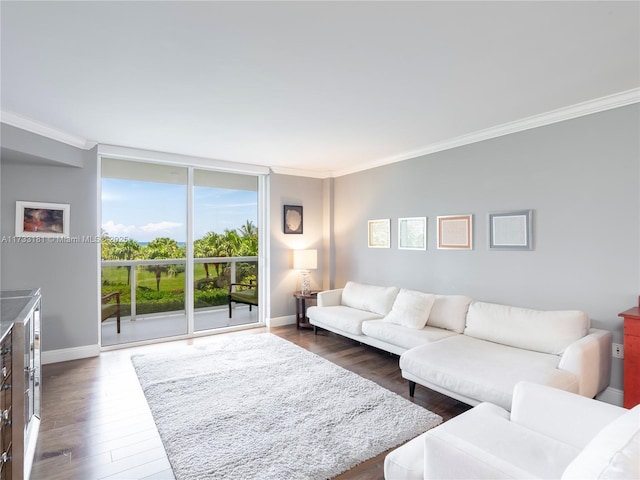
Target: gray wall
[580,177]
[66,272]
[292,190]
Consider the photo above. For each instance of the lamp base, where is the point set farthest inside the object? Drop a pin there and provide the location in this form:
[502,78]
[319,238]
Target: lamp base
[305,282]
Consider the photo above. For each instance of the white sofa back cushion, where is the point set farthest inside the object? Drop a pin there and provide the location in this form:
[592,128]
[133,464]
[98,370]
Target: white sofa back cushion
[369,297]
[537,330]
[613,453]
[411,308]
[449,312]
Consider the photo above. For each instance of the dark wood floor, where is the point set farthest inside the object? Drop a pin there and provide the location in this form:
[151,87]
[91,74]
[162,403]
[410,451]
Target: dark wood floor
[96,423]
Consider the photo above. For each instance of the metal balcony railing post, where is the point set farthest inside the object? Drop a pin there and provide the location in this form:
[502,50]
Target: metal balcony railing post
[233,271]
[134,283]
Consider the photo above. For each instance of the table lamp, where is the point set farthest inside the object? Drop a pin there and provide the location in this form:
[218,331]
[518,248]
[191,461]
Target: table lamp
[305,260]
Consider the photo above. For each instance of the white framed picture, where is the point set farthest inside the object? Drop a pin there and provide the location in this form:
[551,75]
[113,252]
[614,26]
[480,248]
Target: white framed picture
[37,219]
[412,233]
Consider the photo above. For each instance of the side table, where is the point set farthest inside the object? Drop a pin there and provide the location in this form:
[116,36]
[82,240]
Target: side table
[631,356]
[301,308]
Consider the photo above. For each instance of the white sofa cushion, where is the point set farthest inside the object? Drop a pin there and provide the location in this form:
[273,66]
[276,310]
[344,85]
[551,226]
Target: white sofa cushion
[449,312]
[485,371]
[402,336]
[411,308]
[540,331]
[369,297]
[340,317]
[613,453]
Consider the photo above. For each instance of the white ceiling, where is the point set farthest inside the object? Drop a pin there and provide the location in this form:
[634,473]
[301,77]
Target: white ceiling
[317,88]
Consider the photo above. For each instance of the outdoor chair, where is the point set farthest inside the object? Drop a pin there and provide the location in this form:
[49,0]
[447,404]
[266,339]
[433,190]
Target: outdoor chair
[247,294]
[110,309]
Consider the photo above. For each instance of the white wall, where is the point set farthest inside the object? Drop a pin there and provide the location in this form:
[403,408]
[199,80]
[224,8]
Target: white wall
[580,177]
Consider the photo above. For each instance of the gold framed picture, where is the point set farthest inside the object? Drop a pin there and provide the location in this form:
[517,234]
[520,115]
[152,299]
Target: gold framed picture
[380,233]
[455,232]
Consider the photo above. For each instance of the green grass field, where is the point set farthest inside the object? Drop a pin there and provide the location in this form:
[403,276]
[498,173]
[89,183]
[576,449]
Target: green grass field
[170,296]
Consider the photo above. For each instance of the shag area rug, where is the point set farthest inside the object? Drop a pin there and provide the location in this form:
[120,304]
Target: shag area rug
[260,407]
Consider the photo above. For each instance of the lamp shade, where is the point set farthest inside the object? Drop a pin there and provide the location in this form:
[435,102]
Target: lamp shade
[305,259]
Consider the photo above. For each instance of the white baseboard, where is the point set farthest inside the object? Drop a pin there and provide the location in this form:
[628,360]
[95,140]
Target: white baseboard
[281,321]
[611,395]
[66,354]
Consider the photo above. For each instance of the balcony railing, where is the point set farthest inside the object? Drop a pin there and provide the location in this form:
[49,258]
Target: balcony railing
[158,286]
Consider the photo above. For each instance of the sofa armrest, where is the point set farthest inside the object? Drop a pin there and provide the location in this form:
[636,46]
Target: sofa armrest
[560,414]
[590,360]
[330,298]
[477,444]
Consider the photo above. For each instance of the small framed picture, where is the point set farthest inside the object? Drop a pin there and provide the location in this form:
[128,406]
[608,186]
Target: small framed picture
[510,230]
[455,232]
[412,233]
[36,219]
[292,219]
[380,233]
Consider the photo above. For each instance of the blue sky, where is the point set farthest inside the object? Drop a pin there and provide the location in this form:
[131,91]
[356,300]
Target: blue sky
[143,211]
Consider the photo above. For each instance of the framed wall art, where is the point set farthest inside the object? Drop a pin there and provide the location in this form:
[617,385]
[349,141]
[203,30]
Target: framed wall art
[455,232]
[412,233]
[292,219]
[37,219]
[380,233]
[510,230]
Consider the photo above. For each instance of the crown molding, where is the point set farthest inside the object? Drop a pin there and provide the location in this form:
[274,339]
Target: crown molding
[137,154]
[299,172]
[46,131]
[567,113]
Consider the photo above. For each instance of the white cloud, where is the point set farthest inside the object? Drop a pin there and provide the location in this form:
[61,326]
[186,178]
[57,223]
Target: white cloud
[160,226]
[141,233]
[114,229]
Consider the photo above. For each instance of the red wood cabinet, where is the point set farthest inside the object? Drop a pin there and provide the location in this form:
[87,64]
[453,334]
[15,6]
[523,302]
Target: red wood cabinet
[631,356]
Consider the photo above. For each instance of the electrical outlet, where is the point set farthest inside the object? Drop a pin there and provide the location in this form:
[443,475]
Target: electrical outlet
[617,350]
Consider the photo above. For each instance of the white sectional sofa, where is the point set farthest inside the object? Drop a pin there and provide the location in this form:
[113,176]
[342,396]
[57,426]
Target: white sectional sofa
[548,434]
[469,350]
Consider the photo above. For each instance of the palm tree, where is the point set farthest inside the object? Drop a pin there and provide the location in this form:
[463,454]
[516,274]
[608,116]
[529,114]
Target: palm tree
[162,247]
[209,246]
[249,240]
[248,229]
[231,244]
[107,246]
[127,250]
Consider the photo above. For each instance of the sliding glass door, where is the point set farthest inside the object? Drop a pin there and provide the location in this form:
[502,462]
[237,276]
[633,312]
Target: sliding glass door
[176,241]
[225,259]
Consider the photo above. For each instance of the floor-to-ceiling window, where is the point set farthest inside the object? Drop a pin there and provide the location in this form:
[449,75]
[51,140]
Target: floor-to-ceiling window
[225,232]
[174,240]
